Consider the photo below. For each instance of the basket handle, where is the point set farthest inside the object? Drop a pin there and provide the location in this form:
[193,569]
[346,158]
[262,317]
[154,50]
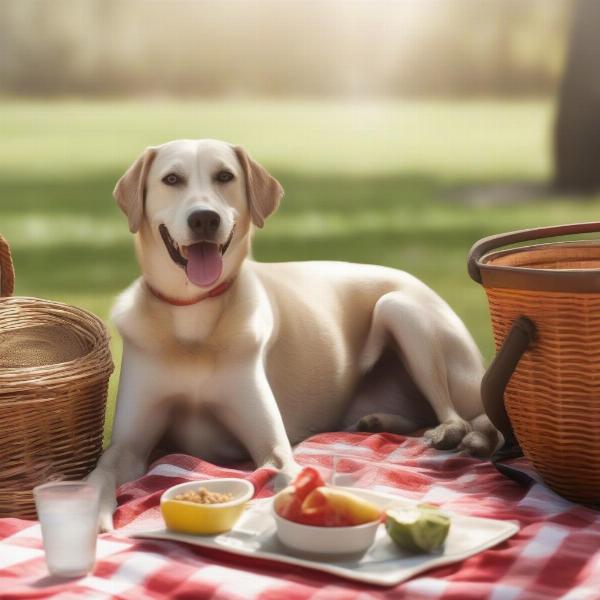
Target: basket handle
[496,378]
[492,242]
[7,273]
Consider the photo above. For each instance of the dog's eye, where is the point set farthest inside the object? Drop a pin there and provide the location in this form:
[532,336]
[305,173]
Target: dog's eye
[171,179]
[224,176]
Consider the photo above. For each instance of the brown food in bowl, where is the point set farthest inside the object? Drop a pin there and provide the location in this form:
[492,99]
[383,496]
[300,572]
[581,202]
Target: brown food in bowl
[204,496]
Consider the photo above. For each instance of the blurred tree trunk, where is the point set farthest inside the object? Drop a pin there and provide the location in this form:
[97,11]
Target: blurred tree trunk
[577,129]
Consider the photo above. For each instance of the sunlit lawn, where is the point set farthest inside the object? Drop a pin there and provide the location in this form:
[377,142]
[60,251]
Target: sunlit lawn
[372,182]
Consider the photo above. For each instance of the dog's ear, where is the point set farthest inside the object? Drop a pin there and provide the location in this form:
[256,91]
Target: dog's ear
[130,191]
[263,190]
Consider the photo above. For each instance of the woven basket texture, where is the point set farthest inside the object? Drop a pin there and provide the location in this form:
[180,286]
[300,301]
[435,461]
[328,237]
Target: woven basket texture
[553,397]
[55,365]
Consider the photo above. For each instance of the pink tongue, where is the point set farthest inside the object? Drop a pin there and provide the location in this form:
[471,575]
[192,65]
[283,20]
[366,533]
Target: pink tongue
[205,264]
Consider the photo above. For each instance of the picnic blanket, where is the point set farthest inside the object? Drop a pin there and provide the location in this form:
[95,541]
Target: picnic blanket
[556,554]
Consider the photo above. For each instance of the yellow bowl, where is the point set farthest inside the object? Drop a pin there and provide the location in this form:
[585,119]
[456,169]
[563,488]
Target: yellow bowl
[205,519]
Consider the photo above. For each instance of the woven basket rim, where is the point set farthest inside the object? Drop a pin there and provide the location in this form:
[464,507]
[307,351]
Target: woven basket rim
[530,247]
[45,374]
[577,280]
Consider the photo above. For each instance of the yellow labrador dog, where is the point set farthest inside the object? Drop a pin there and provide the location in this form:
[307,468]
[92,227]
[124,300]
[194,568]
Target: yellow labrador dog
[228,357]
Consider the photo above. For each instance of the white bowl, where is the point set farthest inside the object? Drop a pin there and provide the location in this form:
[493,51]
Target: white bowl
[326,540]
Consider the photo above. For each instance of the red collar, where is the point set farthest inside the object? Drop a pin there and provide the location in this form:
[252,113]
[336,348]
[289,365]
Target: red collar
[216,291]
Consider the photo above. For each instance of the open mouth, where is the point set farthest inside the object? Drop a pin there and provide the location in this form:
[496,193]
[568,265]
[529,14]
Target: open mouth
[202,261]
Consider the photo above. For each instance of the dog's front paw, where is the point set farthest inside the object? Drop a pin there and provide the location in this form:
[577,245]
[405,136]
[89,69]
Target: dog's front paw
[105,482]
[108,504]
[105,520]
[449,435]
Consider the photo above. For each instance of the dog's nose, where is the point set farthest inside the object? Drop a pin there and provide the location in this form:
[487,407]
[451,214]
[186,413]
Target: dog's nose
[204,222]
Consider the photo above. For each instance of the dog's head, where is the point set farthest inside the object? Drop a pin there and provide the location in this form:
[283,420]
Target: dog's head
[192,203]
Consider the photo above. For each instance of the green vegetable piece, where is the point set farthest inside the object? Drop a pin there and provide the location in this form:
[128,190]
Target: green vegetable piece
[420,529]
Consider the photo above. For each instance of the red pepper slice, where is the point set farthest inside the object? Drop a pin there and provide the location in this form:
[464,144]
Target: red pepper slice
[290,505]
[306,481]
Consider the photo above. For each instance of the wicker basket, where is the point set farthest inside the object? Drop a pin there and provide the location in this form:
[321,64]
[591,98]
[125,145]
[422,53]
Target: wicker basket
[55,365]
[544,384]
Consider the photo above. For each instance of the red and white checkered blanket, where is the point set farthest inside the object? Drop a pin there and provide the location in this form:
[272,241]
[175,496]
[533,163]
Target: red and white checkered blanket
[556,553]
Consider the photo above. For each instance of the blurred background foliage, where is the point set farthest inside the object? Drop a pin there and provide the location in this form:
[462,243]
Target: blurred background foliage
[402,131]
[280,47]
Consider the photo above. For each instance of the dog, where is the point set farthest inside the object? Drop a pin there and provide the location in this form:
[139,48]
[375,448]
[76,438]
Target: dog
[226,357]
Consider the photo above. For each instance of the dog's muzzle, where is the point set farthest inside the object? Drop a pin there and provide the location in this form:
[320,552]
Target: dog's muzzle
[202,260]
[177,253]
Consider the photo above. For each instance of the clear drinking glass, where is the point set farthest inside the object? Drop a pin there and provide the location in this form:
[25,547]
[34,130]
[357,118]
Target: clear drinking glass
[68,514]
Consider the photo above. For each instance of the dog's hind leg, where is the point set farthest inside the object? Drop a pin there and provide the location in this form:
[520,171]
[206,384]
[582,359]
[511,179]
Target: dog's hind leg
[440,357]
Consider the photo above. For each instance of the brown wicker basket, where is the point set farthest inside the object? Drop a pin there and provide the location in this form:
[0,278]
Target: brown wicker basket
[55,365]
[544,384]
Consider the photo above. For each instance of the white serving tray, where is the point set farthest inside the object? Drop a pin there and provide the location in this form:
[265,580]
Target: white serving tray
[383,564]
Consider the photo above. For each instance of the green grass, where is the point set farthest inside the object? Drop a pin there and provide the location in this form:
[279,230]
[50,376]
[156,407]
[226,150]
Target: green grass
[372,182]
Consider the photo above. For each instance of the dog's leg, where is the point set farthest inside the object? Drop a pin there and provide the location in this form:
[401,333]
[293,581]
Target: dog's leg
[139,422]
[256,421]
[422,338]
[118,464]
